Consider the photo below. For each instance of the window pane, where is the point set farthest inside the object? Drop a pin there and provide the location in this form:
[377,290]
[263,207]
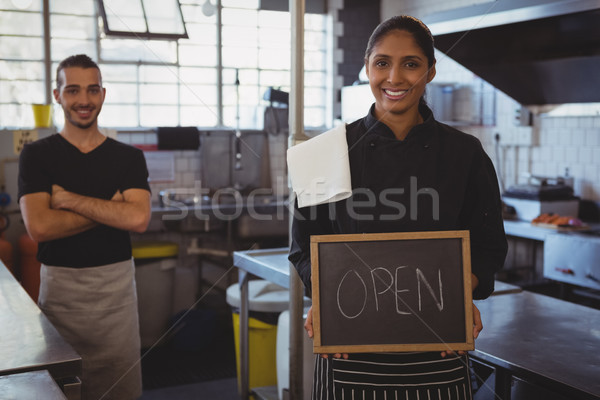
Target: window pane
[314,60]
[159,116]
[138,50]
[198,55]
[249,94]
[314,41]
[27,92]
[199,95]
[314,97]
[190,75]
[314,117]
[240,36]
[21,23]
[275,78]
[240,17]
[274,19]
[118,73]
[193,13]
[245,76]
[163,16]
[63,48]
[13,70]
[118,116]
[239,57]
[315,79]
[248,116]
[25,5]
[274,58]
[16,115]
[314,22]
[158,73]
[22,48]
[274,38]
[158,94]
[125,15]
[68,27]
[201,34]
[123,93]
[198,116]
[79,7]
[250,4]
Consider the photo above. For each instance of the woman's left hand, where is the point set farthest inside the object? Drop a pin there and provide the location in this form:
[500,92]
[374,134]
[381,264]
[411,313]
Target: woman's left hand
[477,327]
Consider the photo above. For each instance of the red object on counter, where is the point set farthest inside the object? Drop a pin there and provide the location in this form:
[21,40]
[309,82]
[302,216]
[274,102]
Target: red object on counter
[565,270]
[30,266]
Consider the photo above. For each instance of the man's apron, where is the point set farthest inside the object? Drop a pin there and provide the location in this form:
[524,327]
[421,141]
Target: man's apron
[95,311]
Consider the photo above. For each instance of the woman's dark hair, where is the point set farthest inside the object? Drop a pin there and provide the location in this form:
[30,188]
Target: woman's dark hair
[407,23]
[79,60]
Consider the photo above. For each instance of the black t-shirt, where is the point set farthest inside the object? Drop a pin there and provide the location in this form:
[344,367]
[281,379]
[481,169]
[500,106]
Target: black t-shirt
[111,167]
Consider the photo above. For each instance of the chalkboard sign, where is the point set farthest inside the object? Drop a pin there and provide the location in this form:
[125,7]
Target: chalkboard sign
[392,292]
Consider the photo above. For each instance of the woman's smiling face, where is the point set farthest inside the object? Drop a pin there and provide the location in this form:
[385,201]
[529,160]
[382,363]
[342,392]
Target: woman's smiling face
[398,71]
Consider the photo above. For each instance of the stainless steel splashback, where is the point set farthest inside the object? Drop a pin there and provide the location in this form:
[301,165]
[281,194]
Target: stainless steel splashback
[218,161]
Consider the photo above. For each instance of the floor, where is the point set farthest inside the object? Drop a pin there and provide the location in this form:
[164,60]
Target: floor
[197,361]
[221,389]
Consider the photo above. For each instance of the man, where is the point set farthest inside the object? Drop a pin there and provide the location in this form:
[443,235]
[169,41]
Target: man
[80,194]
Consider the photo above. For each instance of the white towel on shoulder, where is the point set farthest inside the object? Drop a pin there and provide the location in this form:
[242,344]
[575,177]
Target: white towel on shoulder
[319,168]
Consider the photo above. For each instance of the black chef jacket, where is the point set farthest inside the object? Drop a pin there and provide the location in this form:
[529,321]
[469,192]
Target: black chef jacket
[438,178]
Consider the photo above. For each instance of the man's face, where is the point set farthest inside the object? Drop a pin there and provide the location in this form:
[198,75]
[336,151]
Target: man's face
[81,96]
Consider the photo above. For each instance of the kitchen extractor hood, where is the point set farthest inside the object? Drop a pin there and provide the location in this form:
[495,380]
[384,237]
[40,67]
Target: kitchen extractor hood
[537,52]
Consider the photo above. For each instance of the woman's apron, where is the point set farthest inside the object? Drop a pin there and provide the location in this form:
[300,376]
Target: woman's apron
[95,311]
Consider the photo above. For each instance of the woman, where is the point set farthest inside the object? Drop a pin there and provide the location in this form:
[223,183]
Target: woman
[409,173]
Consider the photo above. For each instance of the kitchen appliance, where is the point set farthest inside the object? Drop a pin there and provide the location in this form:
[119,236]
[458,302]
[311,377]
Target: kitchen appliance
[542,195]
[525,48]
[573,258]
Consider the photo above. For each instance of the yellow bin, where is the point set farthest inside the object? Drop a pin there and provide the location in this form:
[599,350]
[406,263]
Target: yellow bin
[155,263]
[42,115]
[262,352]
[267,300]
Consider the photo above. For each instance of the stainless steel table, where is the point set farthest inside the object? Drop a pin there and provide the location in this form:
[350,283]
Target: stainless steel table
[30,385]
[272,265]
[547,343]
[29,342]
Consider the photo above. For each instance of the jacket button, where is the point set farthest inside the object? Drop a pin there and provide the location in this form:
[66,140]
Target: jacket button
[372,144]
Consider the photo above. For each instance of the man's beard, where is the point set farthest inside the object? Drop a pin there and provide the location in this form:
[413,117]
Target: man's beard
[81,125]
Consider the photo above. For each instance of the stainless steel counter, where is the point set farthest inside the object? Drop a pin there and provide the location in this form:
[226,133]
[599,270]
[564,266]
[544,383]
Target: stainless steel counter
[29,341]
[550,343]
[30,385]
[526,230]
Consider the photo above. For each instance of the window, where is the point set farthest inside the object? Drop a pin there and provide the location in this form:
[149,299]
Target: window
[152,82]
[149,19]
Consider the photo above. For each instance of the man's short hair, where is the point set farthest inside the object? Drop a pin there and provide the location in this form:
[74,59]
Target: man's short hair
[79,60]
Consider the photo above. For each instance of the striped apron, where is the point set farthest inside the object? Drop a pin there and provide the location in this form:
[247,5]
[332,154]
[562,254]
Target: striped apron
[95,311]
[392,376]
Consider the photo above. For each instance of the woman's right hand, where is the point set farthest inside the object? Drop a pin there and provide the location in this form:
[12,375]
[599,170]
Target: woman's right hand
[308,326]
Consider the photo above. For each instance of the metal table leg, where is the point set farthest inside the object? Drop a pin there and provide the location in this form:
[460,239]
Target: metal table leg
[244,364]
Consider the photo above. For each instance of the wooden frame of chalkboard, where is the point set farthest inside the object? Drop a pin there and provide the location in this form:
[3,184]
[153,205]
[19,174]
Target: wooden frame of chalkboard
[382,292]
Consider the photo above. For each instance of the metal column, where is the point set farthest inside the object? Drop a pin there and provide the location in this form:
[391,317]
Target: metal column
[296,123]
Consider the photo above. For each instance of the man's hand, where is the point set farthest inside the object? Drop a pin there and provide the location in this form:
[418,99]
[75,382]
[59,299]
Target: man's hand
[118,196]
[129,210]
[59,197]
